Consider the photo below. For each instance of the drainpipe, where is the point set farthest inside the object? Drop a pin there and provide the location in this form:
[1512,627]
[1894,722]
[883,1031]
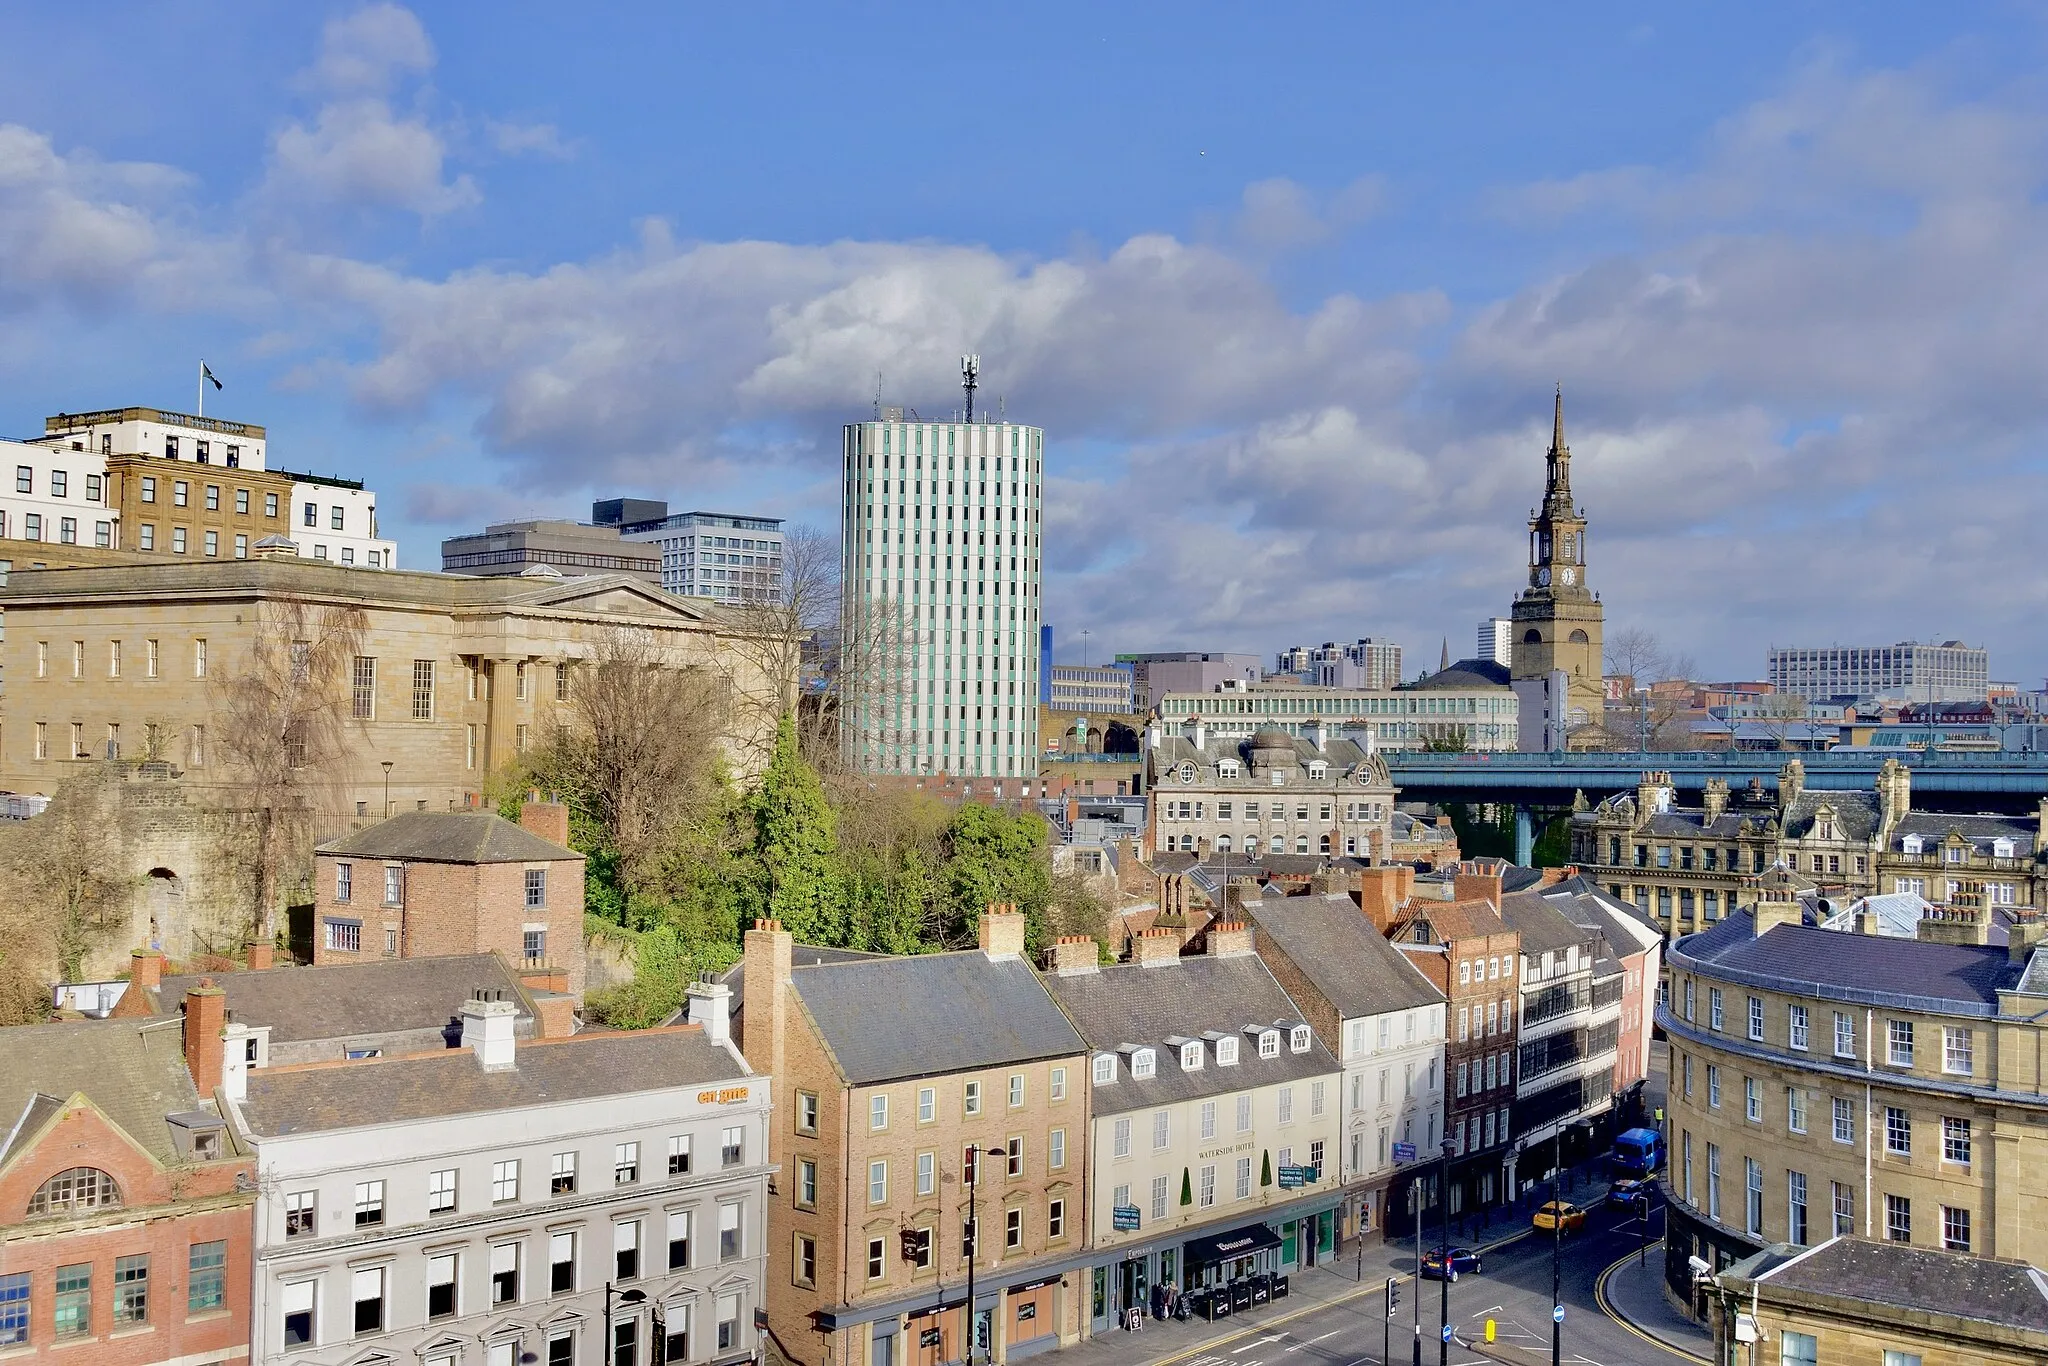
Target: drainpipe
[1869,1043]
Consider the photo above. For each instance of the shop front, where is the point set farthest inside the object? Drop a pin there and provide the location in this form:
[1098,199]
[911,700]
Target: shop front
[1215,1273]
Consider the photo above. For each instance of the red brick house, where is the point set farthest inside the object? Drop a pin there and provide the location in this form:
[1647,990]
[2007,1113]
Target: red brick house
[432,883]
[125,1207]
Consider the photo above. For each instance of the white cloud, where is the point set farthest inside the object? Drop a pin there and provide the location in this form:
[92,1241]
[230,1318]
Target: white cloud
[368,51]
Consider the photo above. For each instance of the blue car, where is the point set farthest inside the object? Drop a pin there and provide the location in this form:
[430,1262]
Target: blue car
[1463,1261]
[1627,1191]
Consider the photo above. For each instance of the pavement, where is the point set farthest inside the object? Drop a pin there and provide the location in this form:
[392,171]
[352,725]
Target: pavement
[1336,1316]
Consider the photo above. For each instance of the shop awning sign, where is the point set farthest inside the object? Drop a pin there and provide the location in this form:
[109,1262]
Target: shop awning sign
[1124,1218]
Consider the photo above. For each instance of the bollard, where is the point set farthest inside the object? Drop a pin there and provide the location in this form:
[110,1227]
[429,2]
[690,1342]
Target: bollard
[1489,1330]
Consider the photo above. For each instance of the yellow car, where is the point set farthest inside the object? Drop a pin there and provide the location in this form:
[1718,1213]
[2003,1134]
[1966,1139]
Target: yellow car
[1559,1214]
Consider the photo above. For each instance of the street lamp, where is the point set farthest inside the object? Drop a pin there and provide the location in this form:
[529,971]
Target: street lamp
[625,1297]
[387,789]
[1556,1245]
[974,1153]
[1443,1346]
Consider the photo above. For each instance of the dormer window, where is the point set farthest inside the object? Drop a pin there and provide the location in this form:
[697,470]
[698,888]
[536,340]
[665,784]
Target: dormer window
[1227,769]
[1191,1056]
[1279,778]
[1910,844]
[1187,773]
[2001,848]
[1953,854]
[1298,1038]
[1269,1043]
[1144,1063]
[1226,1052]
[1105,1069]
[1318,770]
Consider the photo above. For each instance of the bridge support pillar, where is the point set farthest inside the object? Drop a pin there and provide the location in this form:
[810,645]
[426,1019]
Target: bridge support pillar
[1525,837]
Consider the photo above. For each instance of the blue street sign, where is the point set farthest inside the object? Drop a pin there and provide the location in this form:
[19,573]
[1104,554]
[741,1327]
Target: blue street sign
[1404,1152]
[1123,1218]
[1447,1332]
[1557,1313]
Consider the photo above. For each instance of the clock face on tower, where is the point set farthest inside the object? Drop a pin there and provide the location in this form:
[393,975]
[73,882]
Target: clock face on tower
[1543,577]
[1571,576]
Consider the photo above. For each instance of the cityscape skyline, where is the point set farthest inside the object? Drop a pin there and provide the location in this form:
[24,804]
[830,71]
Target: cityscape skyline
[428,319]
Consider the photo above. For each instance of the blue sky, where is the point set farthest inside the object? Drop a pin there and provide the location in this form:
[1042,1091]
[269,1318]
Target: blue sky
[1288,285]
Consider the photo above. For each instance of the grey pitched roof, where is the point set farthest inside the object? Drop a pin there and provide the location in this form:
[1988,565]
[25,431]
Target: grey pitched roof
[800,956]
[1541,925]
[1857,814]
[1626,929]
[930,1014]
[449,837]
[1934,827]
[132,1069]
[1465,675]
[1987,1289]
[1188,997]
[1351,964]
[320,1097]
[346,1000]
[1347,758]
[1857,966]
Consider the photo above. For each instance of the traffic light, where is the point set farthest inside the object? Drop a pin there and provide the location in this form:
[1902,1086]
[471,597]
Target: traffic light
[1393,1295]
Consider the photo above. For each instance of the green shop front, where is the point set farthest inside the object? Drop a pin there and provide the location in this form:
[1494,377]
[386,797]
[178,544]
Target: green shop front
[1221,1267]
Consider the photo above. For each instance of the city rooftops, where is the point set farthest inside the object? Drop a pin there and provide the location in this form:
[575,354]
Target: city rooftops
[449,837]
[1868,969]
[64,423]
[352,1000]
[885,1019]
[133,1070]
[324,1097]
[1330,942]
[1991,1290]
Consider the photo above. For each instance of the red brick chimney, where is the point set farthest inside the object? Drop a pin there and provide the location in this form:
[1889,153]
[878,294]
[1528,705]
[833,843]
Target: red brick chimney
[549,820]
[206,1017]
[1230,939]
[1072,954]
[262,954]
[1153,948]
[1478,880]
[146,969]
[1379,893]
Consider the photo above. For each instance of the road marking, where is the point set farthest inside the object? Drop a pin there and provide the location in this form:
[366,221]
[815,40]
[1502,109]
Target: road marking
[1312,1341]
[1260,1342]
[1600,1299]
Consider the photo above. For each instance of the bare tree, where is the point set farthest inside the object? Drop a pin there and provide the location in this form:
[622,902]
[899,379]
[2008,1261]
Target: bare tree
[61,890]
[779,639]
[1653,714]
[637,746]
[284,716]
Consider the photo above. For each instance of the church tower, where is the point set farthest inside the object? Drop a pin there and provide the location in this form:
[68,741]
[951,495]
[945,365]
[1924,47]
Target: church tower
[1557,617]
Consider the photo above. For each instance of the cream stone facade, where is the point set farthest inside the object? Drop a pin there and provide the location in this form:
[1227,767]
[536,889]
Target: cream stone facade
[1825,1083]
[1275,793]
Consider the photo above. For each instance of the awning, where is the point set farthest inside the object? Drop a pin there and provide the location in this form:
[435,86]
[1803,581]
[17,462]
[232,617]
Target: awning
[1238,1242]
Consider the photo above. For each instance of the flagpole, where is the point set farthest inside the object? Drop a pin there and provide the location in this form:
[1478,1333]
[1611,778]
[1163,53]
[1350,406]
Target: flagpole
[202,387]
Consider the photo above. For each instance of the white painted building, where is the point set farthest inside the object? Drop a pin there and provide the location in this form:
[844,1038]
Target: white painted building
[1497,641]
[940,529]
[1387,1020]
[336,519]
[55,495]
[470,1207]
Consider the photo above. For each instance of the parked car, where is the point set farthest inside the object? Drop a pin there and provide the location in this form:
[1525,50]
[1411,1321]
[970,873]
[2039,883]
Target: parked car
[1627,1191]
[1463,1261]
[1560,1214]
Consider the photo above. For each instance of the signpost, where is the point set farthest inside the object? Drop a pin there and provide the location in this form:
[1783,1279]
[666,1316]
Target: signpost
[1557,1313]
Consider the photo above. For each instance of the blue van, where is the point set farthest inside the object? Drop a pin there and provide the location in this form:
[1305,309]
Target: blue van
[1638,1152]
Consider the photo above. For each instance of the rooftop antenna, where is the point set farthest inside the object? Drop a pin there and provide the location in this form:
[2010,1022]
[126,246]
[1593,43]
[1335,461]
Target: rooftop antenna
[878,395]
[970,375]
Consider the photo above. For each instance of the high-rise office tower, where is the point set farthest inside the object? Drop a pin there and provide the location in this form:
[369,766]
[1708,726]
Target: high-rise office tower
[940,527]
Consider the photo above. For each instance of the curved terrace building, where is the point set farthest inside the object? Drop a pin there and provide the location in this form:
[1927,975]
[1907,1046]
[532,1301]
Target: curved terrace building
[1826,1082]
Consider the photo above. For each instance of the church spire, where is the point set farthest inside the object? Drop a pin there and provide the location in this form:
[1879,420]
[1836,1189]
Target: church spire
[1557,446]
[1557,481]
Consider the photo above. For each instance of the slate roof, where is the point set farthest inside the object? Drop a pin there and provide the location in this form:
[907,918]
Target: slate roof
[449,837]
[347,1000]
[1450,920]
[1857,966]
[1465,675]
[1987,1289]
[1934,828]
[1542,926]
[1857,814]
[930,1014]
[324,1096]
[1352,965]
[1189,997]
[1627,930]
[134,1070]
[1346,757]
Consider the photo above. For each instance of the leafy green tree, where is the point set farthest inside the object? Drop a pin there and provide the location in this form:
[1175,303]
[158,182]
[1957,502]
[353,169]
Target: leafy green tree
[997,857]
[795,846]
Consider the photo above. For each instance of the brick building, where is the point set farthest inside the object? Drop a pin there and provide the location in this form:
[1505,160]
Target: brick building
[1470,954]
[430,883]
[896,1081]
[124,1202]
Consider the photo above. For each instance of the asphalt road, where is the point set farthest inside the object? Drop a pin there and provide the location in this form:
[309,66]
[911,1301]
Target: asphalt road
[1513,1290]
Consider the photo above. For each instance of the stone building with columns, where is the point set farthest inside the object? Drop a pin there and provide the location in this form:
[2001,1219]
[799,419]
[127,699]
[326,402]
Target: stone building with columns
[456,674]
[1322,793]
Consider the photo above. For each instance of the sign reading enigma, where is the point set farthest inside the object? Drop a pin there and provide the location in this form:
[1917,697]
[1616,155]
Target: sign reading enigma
[731,1095]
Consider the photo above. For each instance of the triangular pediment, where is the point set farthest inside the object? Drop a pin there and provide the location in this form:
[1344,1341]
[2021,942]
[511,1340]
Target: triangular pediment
[43,1113]
[619,595]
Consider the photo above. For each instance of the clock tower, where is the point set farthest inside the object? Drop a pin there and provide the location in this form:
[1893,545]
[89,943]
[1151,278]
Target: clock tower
[1557,618]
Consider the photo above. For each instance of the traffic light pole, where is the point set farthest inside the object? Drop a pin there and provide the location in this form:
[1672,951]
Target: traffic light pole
[1387,1321]
[1443,1345]
[974,1243]
[1557,1247]
[1415,1206]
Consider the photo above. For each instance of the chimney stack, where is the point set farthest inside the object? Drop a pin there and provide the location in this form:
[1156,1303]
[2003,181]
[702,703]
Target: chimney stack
[1479,880]
[1153,948]
[1715,800]
[206,1019]
[1230,939]
[711,1007]
[765,991]
[1379,893]
[261,954]
[2022,938]
[549,820]
[1955,924]
[1774,907]
[145,969]
[1002,930]
[487,1022]
[1073,954]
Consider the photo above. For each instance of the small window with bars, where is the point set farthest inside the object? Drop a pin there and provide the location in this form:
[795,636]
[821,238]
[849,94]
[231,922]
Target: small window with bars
[363,689]
[423,690]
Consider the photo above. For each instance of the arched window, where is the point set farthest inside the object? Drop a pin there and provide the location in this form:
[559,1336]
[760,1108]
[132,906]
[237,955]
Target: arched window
[1579,638]
[1324,845]
[73,1192]
[1532,637]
